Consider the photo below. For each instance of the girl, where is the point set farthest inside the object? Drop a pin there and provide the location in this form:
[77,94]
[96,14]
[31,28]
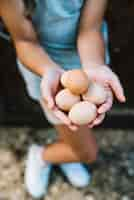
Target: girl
[60,35]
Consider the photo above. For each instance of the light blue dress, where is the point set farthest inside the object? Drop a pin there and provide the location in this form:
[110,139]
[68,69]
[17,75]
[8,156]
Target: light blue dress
[56,22]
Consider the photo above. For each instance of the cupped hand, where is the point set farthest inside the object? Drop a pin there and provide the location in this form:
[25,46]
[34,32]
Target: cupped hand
[49,87]
[106,77]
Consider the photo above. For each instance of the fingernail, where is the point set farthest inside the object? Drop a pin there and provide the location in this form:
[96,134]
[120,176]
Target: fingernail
[73,128]
[100,111]
[90,126]
[124,99]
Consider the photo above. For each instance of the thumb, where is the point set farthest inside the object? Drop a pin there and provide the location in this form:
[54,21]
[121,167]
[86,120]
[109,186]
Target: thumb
[48,97]
[117,88]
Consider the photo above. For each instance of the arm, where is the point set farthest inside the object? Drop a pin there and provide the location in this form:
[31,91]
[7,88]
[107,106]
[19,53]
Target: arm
[31,54]
[24,37]
[91,45]
[91,48]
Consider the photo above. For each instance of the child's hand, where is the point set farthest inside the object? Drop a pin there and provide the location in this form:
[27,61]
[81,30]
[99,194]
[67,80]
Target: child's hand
[105,76]
[49,87]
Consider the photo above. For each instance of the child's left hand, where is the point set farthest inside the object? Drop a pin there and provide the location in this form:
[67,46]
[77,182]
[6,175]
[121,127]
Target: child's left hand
[103,109]
[105,76]
[49,87]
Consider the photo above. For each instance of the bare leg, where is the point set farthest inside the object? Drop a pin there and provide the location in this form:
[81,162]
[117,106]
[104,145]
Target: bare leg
[72,146]
[78,146]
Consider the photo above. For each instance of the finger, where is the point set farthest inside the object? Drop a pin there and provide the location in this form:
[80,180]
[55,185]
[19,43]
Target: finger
[97,121]
[48,97]
[61,116]
[90,125]
[73,127]
[117,88]
[64,119]
[107,105]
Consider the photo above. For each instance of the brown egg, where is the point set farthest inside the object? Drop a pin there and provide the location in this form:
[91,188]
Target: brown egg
[76,81]
[65,99]
[64,78]
[96,94]
[83,113]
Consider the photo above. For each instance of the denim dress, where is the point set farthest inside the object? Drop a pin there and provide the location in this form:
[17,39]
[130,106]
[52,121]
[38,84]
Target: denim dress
[56,23]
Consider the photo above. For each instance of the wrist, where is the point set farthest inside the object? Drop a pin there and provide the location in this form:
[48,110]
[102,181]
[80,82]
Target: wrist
[46,69]
[94,69]
[93,65]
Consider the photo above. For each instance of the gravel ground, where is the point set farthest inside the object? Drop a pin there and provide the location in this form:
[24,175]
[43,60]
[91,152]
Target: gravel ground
[113,173]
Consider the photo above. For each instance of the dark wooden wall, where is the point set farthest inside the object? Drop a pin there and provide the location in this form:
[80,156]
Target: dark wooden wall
[16,106]
[121,23]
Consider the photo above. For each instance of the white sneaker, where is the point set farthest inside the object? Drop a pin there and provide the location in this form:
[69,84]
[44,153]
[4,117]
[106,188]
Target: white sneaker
[37,172]
[77,174]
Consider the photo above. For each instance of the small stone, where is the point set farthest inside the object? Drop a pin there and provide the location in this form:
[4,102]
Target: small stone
[131,172]
[47,198]
[72,195]
[125,198]
[54,190]
[65,186]
[90,197]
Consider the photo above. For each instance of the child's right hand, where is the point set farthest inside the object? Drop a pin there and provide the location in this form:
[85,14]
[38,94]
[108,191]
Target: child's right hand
[49,87]
[50,84]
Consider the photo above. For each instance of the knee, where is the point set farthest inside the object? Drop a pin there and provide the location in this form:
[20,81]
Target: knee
[90,157]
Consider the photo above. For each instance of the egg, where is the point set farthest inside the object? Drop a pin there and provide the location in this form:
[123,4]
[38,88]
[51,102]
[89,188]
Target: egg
[64,78]
[65,99]
[76,81]
[83,113]
[96,94]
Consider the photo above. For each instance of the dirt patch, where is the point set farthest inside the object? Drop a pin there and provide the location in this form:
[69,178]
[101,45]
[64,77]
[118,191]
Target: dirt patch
[113,173]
